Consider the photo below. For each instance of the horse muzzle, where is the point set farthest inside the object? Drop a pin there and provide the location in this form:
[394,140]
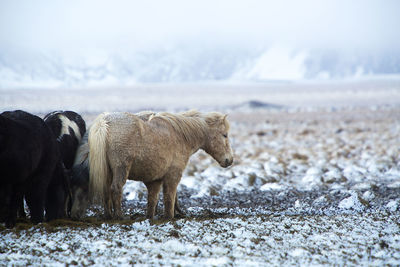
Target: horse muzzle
[227,163]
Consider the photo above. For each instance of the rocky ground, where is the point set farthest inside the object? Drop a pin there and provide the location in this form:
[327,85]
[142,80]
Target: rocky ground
[309,186]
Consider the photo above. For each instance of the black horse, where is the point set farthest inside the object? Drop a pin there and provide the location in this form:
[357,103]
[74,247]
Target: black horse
[30,166]
[68,128]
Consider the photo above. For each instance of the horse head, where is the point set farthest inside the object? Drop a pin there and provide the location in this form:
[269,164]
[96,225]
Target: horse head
[217,141]
[79,178]
[79,191]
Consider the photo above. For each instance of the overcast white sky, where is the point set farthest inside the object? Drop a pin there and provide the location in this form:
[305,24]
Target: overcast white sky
[123,24]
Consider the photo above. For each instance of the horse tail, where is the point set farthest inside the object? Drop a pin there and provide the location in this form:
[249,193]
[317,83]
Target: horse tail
[98,166]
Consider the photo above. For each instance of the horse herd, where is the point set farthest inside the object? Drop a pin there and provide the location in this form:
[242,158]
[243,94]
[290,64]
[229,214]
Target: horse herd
[59,168]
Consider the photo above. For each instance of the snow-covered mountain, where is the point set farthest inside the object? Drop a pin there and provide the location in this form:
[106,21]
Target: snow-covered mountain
[190,63]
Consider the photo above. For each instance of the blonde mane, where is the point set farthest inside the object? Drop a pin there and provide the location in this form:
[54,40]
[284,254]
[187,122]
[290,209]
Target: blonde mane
[191,125]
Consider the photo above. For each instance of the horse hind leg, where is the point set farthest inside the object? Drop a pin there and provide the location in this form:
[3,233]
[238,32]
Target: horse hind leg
[35,198]
[12,205]
[107,200]
[21,209]
[107,204]
[4,197]
[153,192]
[120,175]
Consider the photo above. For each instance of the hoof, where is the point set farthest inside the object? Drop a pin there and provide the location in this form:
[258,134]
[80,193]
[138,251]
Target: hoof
[106,217]
[10,224]
[179,211]
[180,216]
[122,217]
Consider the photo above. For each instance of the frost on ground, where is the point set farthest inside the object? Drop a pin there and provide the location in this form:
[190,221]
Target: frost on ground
[240,240]
[308,186]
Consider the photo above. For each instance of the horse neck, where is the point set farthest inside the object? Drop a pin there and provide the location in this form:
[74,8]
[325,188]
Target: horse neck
[199,138]
[193,139]
[198,143]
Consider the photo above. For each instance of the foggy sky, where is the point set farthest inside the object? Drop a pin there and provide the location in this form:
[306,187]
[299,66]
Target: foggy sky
[114,25]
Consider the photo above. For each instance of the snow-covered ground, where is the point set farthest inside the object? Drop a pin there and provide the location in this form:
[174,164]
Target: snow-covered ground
[239,240]
[316,181]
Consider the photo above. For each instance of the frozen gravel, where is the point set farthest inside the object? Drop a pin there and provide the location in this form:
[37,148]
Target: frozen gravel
[368,239]
[309,186]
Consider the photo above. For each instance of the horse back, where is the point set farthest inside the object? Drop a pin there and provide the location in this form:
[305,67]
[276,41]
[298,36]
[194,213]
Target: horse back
[27,145]
[150,146]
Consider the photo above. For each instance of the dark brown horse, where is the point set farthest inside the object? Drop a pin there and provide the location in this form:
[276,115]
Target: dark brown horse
[30,166]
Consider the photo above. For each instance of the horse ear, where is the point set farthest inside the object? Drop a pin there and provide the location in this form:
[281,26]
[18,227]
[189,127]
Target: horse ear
[225,122]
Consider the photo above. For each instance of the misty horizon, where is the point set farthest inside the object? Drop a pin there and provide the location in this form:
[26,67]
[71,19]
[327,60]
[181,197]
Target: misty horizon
[123,42]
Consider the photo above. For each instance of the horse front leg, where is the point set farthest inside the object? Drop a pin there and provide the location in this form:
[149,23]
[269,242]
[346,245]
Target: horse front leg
[153,192]
[170,196]
[178,210]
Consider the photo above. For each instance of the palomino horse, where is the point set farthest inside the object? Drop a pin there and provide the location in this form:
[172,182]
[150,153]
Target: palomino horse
[79,176]
[155,151]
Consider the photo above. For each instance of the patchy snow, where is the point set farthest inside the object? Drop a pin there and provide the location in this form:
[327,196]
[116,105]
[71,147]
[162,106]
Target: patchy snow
[254,240]
[393,205]
[270,186]
[353,202]
[309,186]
